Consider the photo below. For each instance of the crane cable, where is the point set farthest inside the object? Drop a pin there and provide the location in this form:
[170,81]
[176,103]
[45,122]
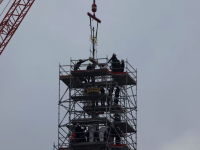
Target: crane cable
[5,8]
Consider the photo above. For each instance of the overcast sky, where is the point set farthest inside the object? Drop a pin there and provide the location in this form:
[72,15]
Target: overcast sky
[159,38]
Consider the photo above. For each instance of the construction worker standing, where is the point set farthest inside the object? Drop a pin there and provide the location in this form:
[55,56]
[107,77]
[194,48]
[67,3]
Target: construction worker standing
[122,66]
[89,67]
[113,63]
[117,95]
[102,93]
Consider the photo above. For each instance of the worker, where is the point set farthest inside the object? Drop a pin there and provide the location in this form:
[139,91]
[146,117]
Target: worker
[102,132]
[113,63]
[110,95]
[96,133]
[111,134]
[117,136]
[78,64]
[83,139]
[106,134]
[91,133]
[102,93]
[117,66]
[97,104]
[103,66]
[117,117]
[89,67]
[117,91]
[122,66]
[79,133]
[73,137]
[87,134]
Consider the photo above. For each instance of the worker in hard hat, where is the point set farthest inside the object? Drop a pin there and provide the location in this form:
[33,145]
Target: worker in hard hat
[78,64]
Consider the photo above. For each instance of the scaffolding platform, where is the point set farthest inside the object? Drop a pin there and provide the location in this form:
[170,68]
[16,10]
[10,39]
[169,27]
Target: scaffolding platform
[97,97]
[122,126]
[88,121]
[112,109]
[122,78]
[94,72]
[97,146]
[89,145]
[118,147]
[77,83]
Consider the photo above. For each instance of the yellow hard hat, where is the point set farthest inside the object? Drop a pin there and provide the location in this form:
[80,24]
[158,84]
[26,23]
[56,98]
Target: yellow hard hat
[89,63]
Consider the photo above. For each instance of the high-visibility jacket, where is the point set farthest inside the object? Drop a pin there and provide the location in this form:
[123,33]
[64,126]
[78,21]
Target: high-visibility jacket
[73,136]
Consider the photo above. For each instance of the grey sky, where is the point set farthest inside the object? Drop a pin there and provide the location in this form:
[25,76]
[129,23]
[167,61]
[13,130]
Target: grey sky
[159,38]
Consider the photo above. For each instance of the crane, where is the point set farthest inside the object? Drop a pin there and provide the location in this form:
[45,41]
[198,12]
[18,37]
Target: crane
[1,1]
[12,20]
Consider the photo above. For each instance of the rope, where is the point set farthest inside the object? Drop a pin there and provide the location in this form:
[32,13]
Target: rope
[5,8]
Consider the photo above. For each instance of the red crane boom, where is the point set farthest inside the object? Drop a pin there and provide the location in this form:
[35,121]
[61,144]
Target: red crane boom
[1,1]
[12,20]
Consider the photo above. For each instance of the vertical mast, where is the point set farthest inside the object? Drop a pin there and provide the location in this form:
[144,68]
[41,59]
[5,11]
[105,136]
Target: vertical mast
[93,43]
[93,37]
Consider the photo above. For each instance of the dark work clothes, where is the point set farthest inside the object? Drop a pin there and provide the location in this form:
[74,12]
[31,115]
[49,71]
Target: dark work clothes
[76,67]
[97,103]
[113,58]
[117,91]
[102,90]
[96,136]
[78,64]
[122,67]
[117,66]
[116,100]
[114,63]
[117,117]
[87,135]
[117,136]
[79,134]
[102,100]
[110,92]
[114,132]
[89,67]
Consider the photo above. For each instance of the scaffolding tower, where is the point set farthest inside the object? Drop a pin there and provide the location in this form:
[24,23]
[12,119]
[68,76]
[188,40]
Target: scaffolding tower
[105,120]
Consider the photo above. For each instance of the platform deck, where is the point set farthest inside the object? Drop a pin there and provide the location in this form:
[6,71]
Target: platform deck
[98,146]
[88,121]
[121,77]
[112,109]
[123,125]
[97,97]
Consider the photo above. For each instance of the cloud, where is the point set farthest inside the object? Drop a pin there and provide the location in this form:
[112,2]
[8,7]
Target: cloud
[190,140]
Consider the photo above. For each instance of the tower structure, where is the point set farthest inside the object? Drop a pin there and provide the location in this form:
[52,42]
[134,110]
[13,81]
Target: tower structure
[97,107]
